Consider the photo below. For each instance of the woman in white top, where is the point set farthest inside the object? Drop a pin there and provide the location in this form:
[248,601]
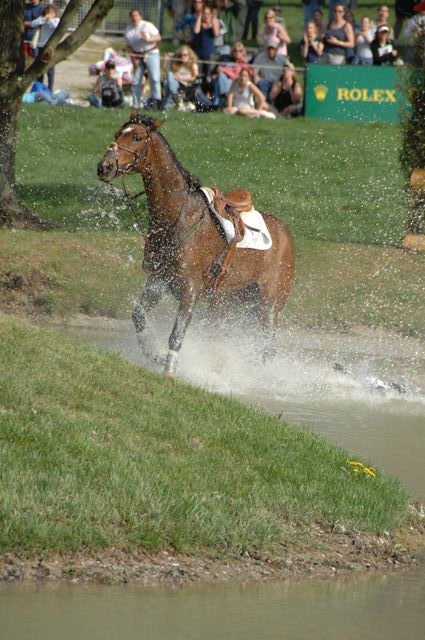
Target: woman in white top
[47,23]
[142,39]
[363,38]
[246,99]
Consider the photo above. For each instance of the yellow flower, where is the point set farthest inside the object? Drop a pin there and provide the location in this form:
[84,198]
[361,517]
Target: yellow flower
[359,467]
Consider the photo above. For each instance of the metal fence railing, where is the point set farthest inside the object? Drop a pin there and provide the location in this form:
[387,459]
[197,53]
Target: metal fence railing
[117,19]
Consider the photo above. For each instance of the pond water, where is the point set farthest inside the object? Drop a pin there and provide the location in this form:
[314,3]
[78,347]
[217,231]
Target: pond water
[372,403]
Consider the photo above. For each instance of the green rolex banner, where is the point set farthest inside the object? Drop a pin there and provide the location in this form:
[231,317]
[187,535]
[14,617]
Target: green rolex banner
[363,93]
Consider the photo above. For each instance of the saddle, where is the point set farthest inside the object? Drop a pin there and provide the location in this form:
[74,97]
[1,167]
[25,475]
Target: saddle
[229,206]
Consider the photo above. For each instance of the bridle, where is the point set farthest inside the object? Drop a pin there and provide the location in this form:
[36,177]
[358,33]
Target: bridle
[128,168]
[137,155]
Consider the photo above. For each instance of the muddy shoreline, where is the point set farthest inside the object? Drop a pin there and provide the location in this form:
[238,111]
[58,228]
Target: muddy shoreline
[330,553]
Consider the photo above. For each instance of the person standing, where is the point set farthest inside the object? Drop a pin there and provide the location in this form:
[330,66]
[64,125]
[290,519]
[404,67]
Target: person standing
[251,20]
[383,49]
[274,30]
[403,11]
[339,37]
[32,11]
[311,44]
[47,23]
[142,39]
[364,39]
[309,7]
[206,29]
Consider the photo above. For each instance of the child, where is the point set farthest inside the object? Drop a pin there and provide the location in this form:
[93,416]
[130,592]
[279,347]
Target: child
[47,22]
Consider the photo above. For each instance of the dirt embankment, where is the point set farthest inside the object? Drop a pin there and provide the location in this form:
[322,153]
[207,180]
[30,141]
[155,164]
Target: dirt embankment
[338,552]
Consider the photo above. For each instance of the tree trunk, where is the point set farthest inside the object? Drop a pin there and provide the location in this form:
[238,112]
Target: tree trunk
[14,80]
[12,213]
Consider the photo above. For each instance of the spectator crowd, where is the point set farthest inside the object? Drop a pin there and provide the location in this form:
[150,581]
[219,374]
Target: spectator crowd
[211,67]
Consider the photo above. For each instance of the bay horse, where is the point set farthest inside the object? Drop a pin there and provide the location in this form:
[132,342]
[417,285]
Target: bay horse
[184,240]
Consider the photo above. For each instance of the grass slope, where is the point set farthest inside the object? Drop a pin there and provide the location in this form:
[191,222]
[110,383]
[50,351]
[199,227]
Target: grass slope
[328,180]
[95,452]
[336,287]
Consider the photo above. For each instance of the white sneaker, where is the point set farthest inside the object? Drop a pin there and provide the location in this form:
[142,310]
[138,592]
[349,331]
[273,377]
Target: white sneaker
[268,114]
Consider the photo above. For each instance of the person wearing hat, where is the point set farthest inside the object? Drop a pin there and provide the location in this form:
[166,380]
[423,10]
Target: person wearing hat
[107,91]
[268,66]
[383,49]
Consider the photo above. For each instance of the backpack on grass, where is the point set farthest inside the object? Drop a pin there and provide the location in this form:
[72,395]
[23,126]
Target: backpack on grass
[111,94]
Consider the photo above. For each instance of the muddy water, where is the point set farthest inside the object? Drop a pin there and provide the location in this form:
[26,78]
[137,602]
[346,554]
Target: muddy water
[373,405]
[378,608]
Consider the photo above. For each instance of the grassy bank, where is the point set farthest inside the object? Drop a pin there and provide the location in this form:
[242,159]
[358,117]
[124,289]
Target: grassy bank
[97,452]
[337,286]
[328,180]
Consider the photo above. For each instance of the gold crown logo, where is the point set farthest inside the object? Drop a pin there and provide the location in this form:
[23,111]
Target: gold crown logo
[321,91]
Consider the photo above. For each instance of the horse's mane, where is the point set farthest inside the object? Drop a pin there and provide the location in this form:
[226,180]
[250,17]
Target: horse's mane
[152,125]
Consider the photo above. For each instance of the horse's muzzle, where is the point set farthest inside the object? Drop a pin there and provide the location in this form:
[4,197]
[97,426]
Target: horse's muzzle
[106,169]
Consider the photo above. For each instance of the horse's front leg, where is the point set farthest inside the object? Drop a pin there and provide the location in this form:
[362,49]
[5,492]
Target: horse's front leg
[184,316]
[152,293]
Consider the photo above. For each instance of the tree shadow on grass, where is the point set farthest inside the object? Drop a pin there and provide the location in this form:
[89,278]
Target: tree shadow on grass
[81,207]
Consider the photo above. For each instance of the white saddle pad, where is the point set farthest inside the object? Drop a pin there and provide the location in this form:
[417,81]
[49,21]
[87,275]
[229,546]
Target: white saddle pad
[256,236]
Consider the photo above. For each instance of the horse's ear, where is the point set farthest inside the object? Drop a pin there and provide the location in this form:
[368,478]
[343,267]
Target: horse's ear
[133,116]
[157,123]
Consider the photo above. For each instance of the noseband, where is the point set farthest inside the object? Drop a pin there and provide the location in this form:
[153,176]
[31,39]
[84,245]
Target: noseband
[127,168]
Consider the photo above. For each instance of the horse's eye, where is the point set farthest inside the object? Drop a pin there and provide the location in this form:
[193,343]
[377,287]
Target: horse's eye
[137,138]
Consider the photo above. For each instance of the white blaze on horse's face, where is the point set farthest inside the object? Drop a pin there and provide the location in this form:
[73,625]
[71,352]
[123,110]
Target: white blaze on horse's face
[128,130]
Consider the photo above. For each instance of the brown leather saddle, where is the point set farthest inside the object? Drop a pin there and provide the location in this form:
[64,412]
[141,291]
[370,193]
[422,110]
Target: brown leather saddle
[239,199]
[229,206]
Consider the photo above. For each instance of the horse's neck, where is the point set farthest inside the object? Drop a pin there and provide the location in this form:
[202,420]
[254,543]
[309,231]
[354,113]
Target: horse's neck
[165,184]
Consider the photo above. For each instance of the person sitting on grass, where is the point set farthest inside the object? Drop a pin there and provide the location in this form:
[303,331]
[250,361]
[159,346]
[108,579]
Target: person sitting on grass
[182,72]
[268,66]
[228,72]
[286,94]
[107,91]
[245,99]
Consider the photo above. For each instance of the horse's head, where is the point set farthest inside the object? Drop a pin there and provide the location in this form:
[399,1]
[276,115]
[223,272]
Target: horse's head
[131,145]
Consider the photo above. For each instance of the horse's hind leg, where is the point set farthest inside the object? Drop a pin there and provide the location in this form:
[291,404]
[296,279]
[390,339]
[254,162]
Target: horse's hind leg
[152,293]
[269,322]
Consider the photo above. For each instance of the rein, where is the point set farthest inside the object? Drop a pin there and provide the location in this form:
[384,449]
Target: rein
[130,201]
[130,168]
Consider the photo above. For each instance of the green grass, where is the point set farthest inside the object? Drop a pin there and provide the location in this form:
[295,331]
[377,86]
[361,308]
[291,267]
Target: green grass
[97,452]
[336,287]
[327,180]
